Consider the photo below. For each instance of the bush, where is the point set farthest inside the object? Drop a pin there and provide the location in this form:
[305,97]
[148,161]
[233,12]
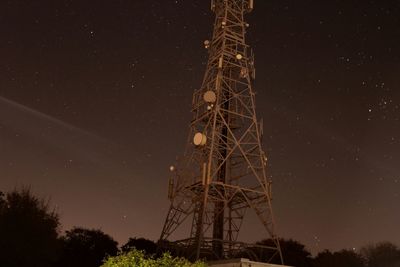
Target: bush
[137,258]
[86,248]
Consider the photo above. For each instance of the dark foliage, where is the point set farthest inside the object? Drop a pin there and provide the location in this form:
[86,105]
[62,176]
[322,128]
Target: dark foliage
[294,253]
[381,255]
[146,245]
[343,258]
[28,231]
[86,248]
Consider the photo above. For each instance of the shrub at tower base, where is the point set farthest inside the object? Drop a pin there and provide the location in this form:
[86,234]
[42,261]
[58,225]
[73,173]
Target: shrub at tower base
[137,258]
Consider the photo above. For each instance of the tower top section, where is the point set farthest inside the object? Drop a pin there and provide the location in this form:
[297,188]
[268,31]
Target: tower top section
[247,5]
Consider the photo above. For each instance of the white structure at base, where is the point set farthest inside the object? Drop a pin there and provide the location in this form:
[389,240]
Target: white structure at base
[242,263]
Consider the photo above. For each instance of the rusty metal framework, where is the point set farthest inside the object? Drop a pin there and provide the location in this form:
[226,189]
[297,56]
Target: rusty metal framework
[223,172]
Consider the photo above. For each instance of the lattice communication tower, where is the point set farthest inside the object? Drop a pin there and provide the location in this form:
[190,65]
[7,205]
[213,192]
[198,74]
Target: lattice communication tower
[223,171]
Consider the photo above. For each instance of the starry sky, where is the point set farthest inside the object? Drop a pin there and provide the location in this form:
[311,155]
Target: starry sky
[95,106]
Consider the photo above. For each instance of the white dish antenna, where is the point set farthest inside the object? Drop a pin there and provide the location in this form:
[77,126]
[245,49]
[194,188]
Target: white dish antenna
[199,139]
[210,97]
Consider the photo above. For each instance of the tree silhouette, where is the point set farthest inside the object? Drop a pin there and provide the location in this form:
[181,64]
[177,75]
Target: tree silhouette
[86,248]
[294,253]
[383,254]
[148,246]
[343,258]
[28,230]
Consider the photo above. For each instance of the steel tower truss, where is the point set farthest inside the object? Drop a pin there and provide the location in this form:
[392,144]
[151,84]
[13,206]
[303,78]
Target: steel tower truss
[223,172]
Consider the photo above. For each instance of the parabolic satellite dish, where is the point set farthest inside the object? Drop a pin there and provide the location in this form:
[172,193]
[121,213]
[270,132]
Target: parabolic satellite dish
[199,139]
[210,97]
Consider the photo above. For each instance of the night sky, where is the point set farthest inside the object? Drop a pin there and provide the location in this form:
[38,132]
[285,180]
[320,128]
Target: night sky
[95,106]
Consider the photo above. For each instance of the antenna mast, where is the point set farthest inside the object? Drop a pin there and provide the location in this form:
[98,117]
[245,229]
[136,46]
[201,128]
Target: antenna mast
[223,172]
